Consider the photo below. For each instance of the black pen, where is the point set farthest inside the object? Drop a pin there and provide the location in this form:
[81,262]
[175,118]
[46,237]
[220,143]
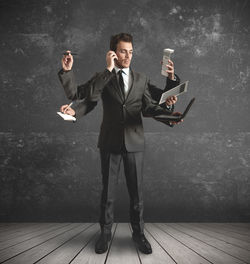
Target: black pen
[67,53]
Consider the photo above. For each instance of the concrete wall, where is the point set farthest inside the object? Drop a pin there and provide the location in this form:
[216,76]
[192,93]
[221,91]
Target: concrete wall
[196,171]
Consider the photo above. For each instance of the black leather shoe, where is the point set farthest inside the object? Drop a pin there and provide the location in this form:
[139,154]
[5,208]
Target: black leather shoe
[101,245]
[142,243]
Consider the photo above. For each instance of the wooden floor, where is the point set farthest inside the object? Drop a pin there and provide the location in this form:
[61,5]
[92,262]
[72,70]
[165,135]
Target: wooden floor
[24,243]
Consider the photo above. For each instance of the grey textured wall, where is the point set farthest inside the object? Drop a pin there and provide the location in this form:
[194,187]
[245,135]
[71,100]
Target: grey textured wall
[197,171]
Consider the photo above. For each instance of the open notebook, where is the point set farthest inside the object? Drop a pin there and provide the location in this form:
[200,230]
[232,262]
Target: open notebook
[66,117]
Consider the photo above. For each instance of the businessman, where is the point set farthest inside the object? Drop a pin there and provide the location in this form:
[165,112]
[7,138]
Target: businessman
[126,96]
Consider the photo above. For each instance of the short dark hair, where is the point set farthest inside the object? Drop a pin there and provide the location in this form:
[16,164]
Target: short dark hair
[114,40]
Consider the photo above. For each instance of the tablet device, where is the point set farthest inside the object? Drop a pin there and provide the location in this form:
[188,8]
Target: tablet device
[181,88]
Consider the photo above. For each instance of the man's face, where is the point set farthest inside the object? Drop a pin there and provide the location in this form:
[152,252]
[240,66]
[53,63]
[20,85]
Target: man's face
[124,52]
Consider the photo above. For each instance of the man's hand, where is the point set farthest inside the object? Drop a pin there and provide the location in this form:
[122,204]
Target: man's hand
[110,57]
[67,61]
[66,109]
[170,70]
[171,100]
[176,114]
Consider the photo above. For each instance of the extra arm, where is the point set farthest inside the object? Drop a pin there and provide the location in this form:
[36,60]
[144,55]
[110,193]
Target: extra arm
[71,89]
[156,92]
[172,83]
[77,93]
[83,107]
[150,107]
[92,91]
[98,84]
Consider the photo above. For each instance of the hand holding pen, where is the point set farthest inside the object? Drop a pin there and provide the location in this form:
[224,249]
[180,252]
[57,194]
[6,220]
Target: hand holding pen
[66,109]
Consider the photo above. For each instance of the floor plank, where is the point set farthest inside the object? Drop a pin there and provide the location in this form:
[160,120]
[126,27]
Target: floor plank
[67,252]
[159,255]
[73,243]
[23,232]
[88,255]
[229,228]
[17,228]
[209,252]
[247,225]
[21,238]
[177,250]
[20,249]
[240,228]
[228,232]
[123,250]
[237,252]
[212,233]
[12,224]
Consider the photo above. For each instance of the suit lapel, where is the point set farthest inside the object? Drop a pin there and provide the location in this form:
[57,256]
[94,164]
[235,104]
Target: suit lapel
[132,84]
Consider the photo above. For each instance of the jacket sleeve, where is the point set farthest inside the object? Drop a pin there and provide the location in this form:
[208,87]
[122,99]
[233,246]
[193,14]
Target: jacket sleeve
[71,89]
[77,93]
[156,93]
[98,84]
[83,107]
[172,83]
[92,91]
[150,107]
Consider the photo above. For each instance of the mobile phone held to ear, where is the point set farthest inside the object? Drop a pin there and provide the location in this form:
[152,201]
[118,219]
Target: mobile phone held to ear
[166,57]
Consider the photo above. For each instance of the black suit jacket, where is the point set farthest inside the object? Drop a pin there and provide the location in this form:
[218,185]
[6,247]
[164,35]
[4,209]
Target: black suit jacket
[122,116]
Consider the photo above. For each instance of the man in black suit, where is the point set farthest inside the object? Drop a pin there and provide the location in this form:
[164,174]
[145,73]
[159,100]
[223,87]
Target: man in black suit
[126,95]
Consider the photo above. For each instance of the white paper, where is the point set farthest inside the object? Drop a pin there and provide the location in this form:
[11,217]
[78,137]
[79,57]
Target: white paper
[66,117]
[182,88]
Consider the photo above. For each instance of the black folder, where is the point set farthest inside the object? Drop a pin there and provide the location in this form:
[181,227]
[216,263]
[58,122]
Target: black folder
[172,118]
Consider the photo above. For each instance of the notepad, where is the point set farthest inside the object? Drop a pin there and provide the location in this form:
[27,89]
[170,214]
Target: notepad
[66,117]
[182,88]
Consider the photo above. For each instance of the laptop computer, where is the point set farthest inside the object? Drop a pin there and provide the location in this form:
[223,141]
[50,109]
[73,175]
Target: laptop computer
[172,118]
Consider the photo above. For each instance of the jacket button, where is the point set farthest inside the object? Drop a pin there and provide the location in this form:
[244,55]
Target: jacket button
[124,106]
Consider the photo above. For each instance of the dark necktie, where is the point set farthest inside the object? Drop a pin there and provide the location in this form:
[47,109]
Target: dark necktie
[121,82]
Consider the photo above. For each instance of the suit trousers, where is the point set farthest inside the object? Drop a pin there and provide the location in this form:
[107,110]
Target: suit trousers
[110,166]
